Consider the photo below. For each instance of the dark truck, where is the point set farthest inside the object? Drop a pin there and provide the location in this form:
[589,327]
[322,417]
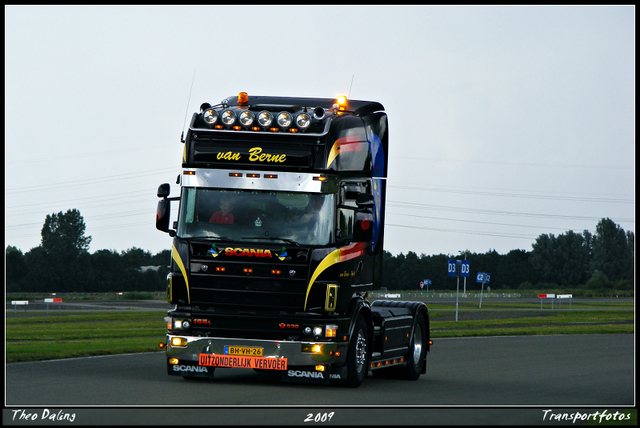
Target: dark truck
[279,241]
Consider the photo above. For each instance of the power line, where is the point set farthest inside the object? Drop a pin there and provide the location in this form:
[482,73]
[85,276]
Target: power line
[474,221]
[87,181]
[466,232]
[527,164]
[496,212]
[516,195]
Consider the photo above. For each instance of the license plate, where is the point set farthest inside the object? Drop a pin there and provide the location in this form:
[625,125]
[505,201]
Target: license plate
[243,350]
[242,362]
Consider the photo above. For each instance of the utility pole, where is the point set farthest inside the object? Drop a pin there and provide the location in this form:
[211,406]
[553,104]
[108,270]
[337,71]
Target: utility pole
[464,291]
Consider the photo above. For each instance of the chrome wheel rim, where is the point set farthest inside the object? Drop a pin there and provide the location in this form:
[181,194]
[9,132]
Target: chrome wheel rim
[361,351]
[417,345]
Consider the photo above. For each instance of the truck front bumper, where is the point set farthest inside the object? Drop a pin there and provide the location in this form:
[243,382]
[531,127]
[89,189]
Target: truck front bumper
[199,356]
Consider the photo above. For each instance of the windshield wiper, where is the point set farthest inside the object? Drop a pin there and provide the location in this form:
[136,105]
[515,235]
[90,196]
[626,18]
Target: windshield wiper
[285,240]
[220,238]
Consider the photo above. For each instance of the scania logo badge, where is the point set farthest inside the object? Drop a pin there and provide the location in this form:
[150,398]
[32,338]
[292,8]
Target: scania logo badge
[204,268]
[292,272]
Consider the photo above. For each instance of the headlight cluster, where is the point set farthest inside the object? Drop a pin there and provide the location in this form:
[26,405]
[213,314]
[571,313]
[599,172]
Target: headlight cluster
[178,324]
[329,330]
[264,120]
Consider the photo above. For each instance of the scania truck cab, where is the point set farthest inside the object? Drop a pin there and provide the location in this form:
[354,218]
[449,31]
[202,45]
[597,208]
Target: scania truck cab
[278,243]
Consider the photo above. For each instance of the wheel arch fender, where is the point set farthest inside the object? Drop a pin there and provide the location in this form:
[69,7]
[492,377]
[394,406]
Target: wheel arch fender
[416,308]
[358,307]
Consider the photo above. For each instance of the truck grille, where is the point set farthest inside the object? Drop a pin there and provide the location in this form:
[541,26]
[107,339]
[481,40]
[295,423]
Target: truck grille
[250,292]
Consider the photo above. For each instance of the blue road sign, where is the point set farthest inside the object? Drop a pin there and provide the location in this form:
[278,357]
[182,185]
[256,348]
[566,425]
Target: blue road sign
[452,267]
[483,277]
[465,268]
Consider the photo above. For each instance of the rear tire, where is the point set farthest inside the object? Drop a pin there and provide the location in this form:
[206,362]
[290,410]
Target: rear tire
[417,350]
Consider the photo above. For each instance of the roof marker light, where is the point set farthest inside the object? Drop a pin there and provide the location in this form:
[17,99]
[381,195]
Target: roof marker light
[341,104]
[243,99]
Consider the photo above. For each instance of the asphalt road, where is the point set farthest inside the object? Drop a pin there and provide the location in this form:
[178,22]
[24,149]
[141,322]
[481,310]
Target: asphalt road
[488,380]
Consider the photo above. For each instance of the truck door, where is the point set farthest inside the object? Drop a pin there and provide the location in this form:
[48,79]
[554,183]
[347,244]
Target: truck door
[359,270]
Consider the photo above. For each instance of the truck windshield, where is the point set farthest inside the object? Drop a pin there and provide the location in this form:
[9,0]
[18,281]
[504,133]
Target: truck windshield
[243,215]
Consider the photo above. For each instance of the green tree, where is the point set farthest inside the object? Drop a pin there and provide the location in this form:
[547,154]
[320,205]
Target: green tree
[409,272]
[389,264]
[16,268]
[514,269]
[599,281]
[136,257]
[543,257]
[41,276]
[573,257]
[63,236]
[611,253]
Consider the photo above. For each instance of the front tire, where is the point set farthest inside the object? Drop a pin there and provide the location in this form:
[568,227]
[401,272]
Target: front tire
[358,354]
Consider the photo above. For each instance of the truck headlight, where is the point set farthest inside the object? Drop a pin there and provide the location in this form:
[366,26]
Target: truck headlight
[177,324]
[246,118]
[285,119]
[303,120]
[265,118]
[228,117]
[210,116]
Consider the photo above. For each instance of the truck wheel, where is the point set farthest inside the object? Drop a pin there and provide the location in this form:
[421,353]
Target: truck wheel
[417,350]
[358,355]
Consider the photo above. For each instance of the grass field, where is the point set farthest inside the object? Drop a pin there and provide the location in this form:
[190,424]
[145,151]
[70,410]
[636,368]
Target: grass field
[78,334]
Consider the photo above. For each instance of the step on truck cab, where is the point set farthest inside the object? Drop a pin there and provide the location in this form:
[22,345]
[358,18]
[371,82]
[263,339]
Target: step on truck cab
[279,241]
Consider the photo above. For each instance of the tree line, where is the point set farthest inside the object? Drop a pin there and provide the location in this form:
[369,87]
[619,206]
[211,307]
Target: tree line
[62,263]
[601,261]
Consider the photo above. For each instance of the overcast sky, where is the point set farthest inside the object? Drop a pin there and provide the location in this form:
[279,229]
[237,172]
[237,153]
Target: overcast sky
[505,123]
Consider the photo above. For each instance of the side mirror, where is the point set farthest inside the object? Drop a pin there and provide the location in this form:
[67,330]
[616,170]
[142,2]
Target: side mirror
[164,190]
[163,213]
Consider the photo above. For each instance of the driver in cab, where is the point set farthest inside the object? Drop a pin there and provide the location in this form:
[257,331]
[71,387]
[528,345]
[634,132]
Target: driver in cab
[224,215]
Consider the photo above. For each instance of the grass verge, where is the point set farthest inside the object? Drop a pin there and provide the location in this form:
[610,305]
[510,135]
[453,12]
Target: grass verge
[84,334]
[35,338]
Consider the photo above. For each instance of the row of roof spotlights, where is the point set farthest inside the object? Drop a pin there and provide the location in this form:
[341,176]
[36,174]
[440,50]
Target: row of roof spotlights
[265,118]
